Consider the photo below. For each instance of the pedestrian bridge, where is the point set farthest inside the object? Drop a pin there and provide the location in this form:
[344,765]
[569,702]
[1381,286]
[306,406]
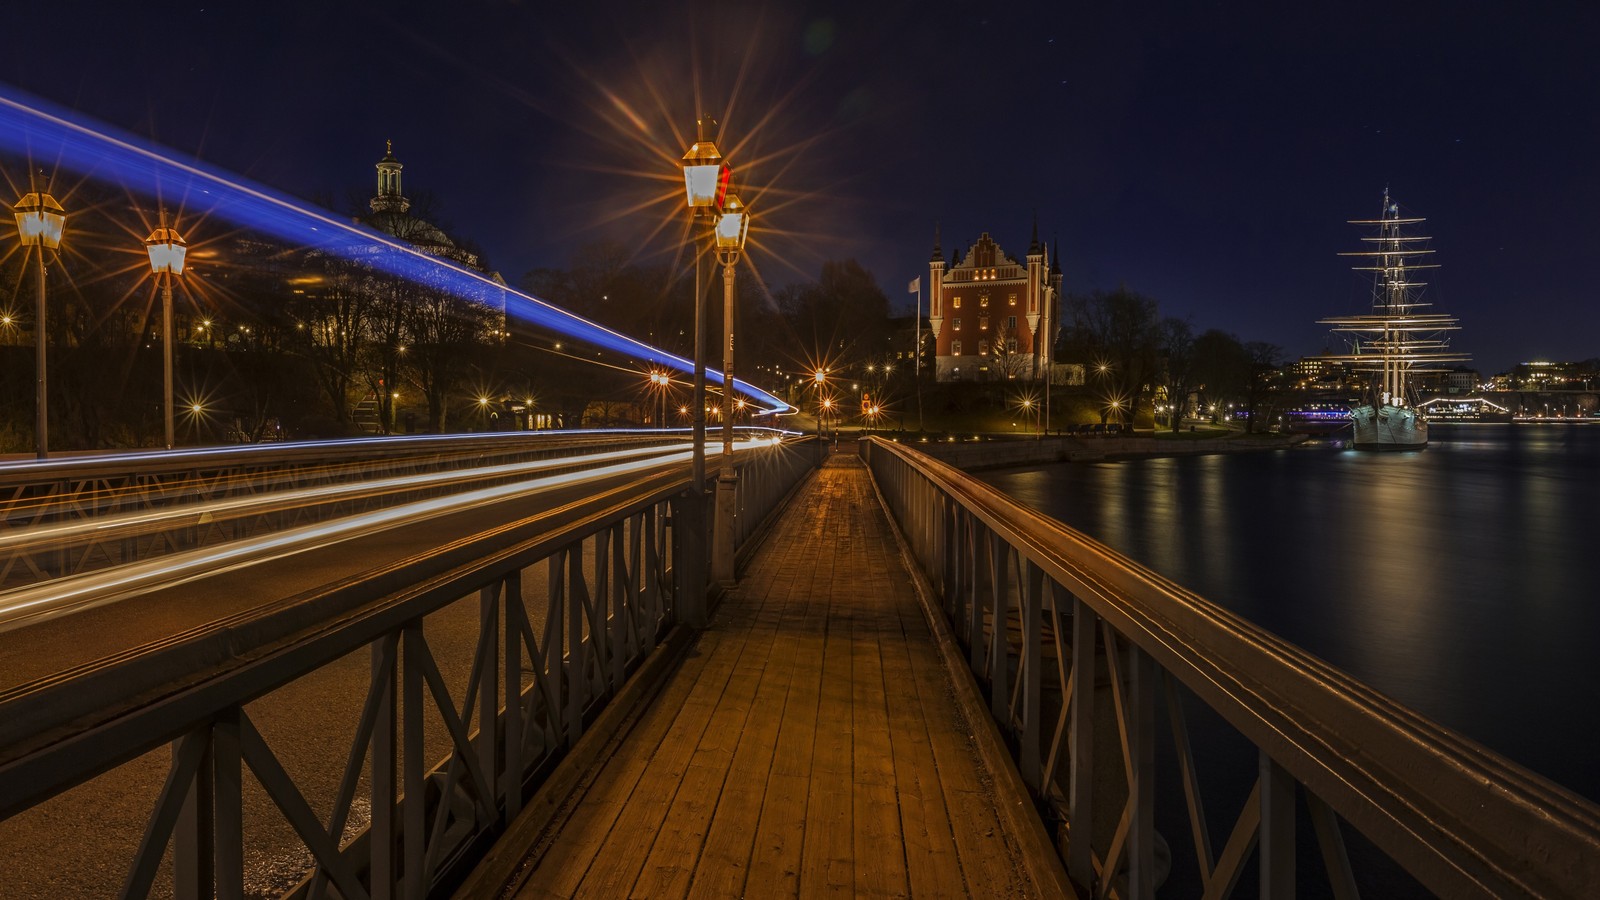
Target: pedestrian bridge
[916,687]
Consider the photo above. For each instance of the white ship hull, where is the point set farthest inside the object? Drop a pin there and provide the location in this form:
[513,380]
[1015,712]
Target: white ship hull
[1388,428]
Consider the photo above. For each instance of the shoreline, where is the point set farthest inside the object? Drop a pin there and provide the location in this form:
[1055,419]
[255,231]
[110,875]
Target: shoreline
[1005,454]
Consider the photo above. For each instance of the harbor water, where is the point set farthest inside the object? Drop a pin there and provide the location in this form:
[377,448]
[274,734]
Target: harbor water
[1460,580]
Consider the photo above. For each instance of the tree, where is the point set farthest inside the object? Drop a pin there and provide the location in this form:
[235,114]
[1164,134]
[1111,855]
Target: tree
[1175,343]
[1260,397]
[335,317]
[843,318]
[1116,335]
[1221,371]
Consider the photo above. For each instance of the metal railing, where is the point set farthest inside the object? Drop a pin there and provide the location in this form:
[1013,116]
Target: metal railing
[540,669]
[1055,625]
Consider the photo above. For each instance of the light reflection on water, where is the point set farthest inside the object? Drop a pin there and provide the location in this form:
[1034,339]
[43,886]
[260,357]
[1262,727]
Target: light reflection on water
[1457,580]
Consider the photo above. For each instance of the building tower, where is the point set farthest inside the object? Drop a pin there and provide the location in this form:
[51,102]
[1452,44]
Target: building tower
[389,199]
[935,291]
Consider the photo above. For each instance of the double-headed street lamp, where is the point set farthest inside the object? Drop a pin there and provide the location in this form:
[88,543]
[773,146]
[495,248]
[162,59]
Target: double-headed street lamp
[40,222]
[705,179]
[732,227]
[167,251]
[661,383]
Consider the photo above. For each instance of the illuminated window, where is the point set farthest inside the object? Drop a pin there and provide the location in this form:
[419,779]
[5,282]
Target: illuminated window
[956,303]
[956,323]
[983,300]
[1011,345]
[983,323]
[1012,299]
[955,348]
[983,348]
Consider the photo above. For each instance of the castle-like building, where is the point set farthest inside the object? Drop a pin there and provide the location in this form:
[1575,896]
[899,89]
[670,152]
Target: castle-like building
[992,317]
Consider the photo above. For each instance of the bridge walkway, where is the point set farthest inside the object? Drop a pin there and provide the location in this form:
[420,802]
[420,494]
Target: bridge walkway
[811,742]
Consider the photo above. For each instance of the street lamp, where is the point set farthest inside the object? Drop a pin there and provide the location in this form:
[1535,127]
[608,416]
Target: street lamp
[733,224]
[166,251]
[40,221]
[705,180]
[661,381]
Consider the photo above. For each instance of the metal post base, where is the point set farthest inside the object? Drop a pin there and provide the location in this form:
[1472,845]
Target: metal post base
[722,540]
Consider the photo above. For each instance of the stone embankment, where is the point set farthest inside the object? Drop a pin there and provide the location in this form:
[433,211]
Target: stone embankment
[999,454]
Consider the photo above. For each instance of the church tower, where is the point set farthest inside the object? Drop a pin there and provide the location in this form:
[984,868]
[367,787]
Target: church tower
[389,199]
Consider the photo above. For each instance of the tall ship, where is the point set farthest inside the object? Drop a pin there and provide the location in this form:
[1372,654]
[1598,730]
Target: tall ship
[1400,338]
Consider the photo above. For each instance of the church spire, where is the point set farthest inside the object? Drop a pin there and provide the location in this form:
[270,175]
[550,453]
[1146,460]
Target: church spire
[1034,247]
[937,255]
[389,199]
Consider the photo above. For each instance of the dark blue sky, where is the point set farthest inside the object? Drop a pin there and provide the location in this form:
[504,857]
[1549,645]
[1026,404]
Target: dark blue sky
[1206,154]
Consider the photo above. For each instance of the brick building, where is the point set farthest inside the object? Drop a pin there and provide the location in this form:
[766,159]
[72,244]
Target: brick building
[991,316]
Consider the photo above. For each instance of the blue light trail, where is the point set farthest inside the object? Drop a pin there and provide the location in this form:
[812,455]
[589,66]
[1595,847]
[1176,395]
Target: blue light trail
[38,129]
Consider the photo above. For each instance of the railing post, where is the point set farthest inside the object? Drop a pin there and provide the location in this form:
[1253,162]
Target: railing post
[228,767]
[414,821]
[1080,740]
[998,552]
[689,557]
[1032,637]
[577,651]
[1141,791]
[1277,830]
[488,683]
[972,586]
[193,848]
[516,616]
[384,784]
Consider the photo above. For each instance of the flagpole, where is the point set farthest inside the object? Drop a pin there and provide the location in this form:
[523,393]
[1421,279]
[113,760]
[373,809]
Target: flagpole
[917,348]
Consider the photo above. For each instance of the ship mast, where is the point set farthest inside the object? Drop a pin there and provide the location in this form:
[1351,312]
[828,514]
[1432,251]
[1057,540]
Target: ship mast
[1399,336]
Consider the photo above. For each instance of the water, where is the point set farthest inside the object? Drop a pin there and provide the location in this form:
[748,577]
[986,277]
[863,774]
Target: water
[1459,580]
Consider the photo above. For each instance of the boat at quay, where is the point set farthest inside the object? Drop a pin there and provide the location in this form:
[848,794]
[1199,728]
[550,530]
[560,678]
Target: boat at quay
[1398,338]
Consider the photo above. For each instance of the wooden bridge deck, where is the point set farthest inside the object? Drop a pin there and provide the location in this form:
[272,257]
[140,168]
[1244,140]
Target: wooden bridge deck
[809,743]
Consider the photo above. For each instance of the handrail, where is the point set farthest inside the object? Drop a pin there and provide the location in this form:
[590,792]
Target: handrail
[1460,818]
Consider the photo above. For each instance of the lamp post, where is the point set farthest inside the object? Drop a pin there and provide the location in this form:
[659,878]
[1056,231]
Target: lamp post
[40,221]
[732,227]
[661,381]
[705,179]
[166,251]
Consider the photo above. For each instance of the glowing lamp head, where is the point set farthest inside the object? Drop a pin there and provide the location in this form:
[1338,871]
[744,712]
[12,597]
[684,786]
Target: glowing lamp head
[40,220]
[166,250]
[705,174]
[732,225]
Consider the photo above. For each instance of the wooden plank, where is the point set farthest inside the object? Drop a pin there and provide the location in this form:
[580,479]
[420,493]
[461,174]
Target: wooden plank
[562,865]
[932,864]
[879,843]
[780,836]
[619,799]
[726,860]
[673,857]
[827,863]
[989,858]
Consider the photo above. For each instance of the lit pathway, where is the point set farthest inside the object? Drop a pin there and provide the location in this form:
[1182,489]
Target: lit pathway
[809,744]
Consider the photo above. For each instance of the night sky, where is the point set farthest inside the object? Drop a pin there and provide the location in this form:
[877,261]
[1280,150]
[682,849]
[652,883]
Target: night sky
[1205,154]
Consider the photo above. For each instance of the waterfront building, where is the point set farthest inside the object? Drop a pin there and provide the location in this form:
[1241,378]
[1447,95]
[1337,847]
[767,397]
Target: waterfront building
[991,316]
